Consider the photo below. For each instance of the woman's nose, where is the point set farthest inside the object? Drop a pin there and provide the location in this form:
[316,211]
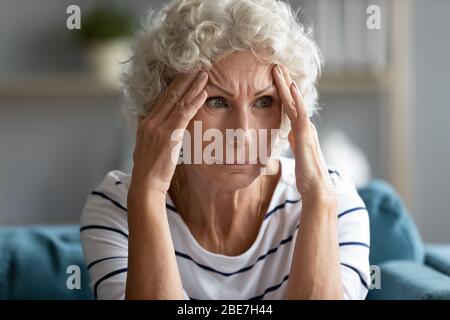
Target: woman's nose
[242,118]
[242,123]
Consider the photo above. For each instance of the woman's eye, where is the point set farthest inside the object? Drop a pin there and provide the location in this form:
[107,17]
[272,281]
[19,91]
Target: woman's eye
[216,102]
[264,102]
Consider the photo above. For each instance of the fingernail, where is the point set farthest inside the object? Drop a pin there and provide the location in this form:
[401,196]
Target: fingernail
[278,68]
[201,75]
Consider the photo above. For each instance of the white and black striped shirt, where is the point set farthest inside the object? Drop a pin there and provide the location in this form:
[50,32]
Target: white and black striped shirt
[261,272]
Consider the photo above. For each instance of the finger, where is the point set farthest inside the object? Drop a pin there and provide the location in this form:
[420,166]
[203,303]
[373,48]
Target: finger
[172,94]
[196,87]
[196,81]
[285,95]
[286,74]
[163,105]
[302,114]
[182,113]
[199,101]
[182,106]
[182,82]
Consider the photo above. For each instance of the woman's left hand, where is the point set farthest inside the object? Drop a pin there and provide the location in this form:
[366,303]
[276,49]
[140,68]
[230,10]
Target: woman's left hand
[312,177]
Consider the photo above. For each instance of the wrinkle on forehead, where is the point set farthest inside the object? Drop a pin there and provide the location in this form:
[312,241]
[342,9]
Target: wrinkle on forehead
[241,71]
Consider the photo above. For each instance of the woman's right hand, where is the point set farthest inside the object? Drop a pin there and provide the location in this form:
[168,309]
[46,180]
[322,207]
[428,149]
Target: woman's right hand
[153,164]
[148,227]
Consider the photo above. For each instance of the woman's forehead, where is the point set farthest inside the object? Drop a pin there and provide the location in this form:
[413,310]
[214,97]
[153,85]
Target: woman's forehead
[242,60]
[241,68]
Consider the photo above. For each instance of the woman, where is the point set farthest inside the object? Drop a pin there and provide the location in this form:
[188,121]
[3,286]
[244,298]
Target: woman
[223,229]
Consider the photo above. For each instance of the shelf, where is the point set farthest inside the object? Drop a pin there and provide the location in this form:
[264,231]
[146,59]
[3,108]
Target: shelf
[83,86]
[353,83]
[55,86]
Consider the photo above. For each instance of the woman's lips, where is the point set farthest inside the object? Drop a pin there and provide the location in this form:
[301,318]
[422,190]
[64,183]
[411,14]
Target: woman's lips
[245,163]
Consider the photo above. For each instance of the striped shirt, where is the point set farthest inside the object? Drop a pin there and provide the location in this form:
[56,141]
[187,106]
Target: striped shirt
[261,272]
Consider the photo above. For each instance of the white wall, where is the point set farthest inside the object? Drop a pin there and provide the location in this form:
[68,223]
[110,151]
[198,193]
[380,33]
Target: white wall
[53,153]
[430,98]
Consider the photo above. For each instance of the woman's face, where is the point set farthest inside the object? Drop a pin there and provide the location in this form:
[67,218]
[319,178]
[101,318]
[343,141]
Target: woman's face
[241,95]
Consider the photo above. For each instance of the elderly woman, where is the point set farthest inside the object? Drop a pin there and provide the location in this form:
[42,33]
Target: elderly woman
[286,228]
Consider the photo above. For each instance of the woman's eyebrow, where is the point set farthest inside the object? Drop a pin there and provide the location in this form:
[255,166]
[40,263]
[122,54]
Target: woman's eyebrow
[220,88]
[265,89]
[231,95]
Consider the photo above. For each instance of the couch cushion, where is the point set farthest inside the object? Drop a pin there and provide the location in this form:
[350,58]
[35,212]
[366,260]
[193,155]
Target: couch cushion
[438,257]
[393,233]
[410,280]
[34,262]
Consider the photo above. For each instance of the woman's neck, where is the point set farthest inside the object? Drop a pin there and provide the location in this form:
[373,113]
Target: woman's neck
[219,216]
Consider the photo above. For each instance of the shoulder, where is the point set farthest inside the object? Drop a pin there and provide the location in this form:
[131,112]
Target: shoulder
[115,178]
[346,192]
[104,235]
[349,200]
[105,206]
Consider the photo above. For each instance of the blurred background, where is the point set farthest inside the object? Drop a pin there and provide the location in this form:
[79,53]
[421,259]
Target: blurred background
[384,97]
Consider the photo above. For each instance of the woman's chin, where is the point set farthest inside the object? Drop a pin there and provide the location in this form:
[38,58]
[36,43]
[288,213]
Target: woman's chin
[238,176]
[228,176]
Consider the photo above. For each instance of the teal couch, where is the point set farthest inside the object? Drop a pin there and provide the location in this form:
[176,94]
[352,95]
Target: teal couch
[34,260]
